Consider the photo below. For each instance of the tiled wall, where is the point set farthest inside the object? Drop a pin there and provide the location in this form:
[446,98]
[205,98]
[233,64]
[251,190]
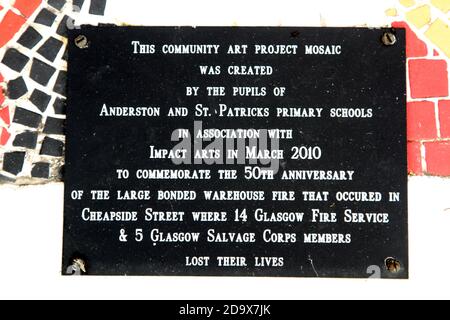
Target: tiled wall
[33,76]
[428,51]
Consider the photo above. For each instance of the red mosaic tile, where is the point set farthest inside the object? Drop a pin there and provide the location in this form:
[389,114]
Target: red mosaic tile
[438,158]
[2,97]
[4,115]
[9,26]
[444,118]
[414,158]
[421,121]
[428,78]
[4,136]
[27,7]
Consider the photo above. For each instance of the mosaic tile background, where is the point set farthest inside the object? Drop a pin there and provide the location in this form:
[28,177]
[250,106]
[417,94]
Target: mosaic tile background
[33,70]
[32,78]
[428,51]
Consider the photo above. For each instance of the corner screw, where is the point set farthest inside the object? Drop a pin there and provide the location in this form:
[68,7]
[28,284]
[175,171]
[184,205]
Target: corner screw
[81,42]
[389,39]
[392,265]
[77,268]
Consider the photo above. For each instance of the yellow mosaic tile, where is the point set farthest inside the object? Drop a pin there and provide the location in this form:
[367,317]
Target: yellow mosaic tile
[439,34]
[407,3]
[443,5]
[392,12]
[420,16]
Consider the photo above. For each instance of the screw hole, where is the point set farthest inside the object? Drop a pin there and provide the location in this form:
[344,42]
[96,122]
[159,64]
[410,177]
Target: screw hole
[392,265]
[388,39]
[295,34]
[82,42]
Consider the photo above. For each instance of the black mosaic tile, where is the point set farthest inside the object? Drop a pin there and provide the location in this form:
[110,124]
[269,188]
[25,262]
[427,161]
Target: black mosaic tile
[50,49]
[15,60]
[27,118]
[59,106]
[60,85]
[30,38]
[78,4]
[45,17]
[41,72]
[54,126]
[57,4]
[41,170]
[97,7]
[27,139]
[13,162]
[52,147]
[62,27]
[40,99]
[16,88]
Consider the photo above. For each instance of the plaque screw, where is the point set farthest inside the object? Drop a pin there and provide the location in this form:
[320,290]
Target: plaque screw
[388,39]
[392,265]
[81,42]
[77,267]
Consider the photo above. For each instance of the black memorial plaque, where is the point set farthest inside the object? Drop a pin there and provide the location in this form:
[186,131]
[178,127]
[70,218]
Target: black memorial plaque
[236,152]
